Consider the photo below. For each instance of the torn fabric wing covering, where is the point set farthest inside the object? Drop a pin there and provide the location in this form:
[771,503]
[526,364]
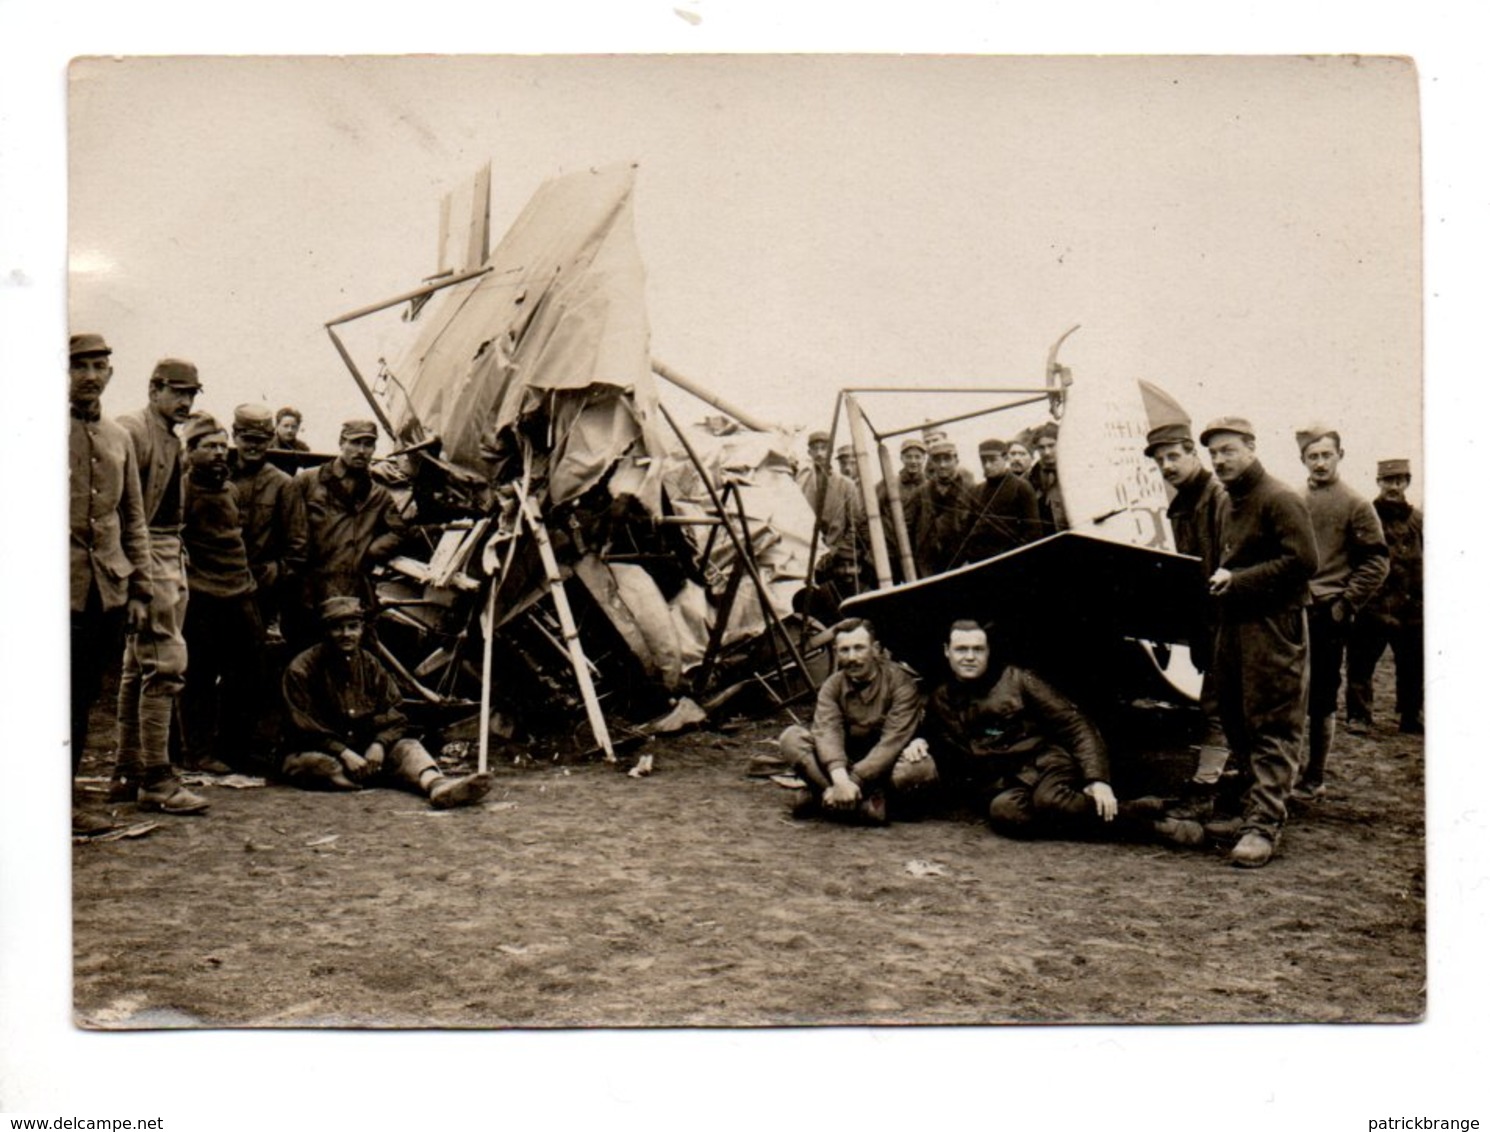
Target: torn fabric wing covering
[558,326]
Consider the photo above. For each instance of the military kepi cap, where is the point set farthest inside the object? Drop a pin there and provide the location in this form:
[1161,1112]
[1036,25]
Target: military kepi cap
[87,345]
[253,420]
[1240,425]
[817,437]
[353,429]
[176,373]
[199,425]
[993,448]
[1314,432]
[844,450]
[942,448]
[340,608]
[911,442]
[1176,433]
[1386,468]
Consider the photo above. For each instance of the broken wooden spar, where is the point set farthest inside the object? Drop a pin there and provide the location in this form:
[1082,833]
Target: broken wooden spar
[577,658]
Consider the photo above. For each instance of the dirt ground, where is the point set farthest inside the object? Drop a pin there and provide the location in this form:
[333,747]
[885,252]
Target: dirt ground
[577,896]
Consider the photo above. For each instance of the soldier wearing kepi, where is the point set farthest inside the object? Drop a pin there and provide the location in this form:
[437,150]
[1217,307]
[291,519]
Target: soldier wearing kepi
[155,657]
[352,523]
[1352,565]
[273,526]
[346,729]
[1197,515]
[1006,514]
[108,543]
[1261,589]
[1395,615]
[222,627]
[939,515]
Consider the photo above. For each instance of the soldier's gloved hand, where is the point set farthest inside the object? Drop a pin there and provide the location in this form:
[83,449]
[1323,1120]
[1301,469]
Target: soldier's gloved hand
[356,765]
[1103,798]
[915,751]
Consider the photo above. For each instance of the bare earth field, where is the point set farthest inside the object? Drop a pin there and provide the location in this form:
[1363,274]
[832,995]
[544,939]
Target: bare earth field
[577,896]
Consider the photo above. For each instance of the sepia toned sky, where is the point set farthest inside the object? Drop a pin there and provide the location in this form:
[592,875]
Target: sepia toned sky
[1245,232]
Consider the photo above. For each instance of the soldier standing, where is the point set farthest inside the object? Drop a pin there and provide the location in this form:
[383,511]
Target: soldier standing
[108,544]
[352,522]
[1261,588]
[1352,566]
[1197,515]
[1394,616]
[155,657]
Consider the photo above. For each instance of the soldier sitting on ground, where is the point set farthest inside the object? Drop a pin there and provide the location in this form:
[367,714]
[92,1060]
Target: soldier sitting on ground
[854,754]
[346,729]
[1004,740]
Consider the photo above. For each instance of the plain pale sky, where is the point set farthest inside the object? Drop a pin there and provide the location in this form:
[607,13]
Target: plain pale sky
[1244,232]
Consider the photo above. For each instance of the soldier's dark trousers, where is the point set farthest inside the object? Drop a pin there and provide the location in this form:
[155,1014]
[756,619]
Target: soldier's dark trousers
[219,705]
[1369,638]
[96,639]
[1050,801]
[1262,671]
[1327,639]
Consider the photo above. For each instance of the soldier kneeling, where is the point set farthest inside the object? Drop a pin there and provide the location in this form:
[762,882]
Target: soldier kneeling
[345,726]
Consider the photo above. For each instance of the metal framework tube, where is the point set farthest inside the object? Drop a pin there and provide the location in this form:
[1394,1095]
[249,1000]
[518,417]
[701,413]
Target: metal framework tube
[878,551]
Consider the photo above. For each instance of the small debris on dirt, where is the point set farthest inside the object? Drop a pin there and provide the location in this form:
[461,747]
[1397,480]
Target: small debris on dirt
[329,839]
[919,868]
[139,829]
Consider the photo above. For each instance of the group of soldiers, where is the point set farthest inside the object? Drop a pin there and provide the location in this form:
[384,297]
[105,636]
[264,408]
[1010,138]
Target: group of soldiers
[1296,583]
[197,567]
[951,518]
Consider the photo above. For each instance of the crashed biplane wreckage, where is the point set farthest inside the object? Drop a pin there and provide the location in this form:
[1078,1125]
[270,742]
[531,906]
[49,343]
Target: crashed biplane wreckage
[577,555]
[1105,607]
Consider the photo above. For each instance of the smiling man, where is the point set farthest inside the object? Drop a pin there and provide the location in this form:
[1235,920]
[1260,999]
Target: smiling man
[1261,588]
[854,754]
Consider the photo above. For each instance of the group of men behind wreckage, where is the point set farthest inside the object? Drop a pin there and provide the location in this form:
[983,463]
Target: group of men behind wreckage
[193,564]
[950,518]
[1295,582]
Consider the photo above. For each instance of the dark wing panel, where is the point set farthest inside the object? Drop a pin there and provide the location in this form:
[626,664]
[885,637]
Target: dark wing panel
[1070,592]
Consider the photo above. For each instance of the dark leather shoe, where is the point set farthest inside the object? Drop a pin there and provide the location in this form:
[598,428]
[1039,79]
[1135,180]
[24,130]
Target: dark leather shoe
[123,788]
[1253,851]
[872,810]
[1223,829]
[1309,791]
[1188,834]
[209,765]
[85,824]
[1357,726]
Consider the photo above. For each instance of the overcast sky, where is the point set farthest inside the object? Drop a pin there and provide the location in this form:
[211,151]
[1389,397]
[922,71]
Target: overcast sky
[1244,232]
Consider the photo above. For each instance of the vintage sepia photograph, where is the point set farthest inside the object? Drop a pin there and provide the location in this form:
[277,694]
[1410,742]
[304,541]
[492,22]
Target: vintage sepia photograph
[757,541]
